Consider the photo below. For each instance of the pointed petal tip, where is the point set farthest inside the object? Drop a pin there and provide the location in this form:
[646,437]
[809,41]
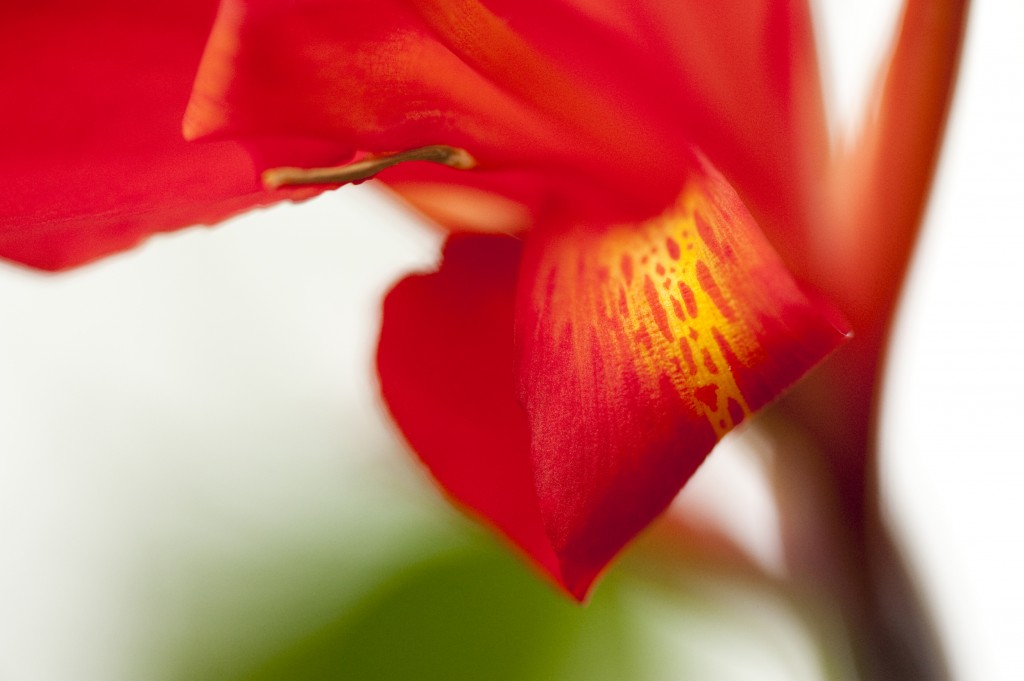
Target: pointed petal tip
[578,581]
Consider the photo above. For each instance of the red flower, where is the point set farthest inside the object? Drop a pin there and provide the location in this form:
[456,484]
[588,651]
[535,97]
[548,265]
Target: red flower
[563,384]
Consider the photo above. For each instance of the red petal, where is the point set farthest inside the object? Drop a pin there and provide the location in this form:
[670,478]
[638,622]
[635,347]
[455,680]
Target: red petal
[94,158]
[567,93]
[445,361]
[369,74]
[756,106]
[379,76]
[639,347]
[738,79]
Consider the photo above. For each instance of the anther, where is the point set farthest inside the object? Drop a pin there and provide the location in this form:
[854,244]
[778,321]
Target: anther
[367,167]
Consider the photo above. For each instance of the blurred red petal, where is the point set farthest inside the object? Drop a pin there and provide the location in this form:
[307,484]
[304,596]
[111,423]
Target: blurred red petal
[738,79]
[94,158]
[880,185]
[563,102]
[566,94]
[639,346]
[373,74]
[758,110]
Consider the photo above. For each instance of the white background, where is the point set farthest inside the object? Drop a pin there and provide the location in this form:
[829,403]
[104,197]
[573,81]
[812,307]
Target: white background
[213,387]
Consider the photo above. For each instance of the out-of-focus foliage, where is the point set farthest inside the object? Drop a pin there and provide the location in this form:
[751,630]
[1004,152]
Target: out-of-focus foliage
[469,613]
[421,595]
[462,608]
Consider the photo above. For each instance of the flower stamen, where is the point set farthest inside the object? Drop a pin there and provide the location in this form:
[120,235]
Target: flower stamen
[367,167]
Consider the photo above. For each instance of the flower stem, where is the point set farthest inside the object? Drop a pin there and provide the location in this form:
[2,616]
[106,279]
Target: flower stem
[870,221]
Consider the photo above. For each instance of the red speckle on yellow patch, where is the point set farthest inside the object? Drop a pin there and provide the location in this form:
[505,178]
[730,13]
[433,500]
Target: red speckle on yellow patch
[710,286]
[677,308]
[686,294]
[672,246]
